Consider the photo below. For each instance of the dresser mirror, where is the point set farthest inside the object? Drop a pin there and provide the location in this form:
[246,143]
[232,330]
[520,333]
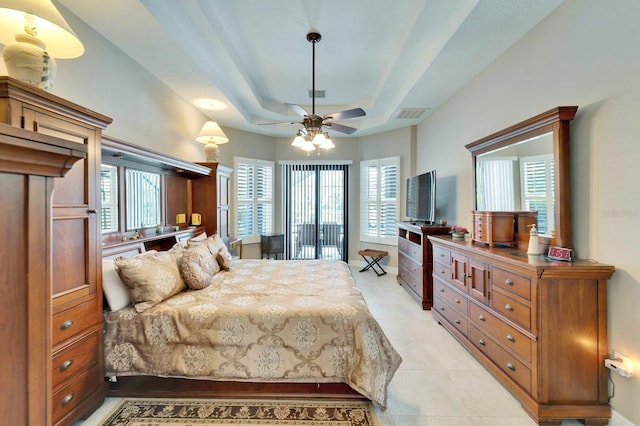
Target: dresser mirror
[526,167]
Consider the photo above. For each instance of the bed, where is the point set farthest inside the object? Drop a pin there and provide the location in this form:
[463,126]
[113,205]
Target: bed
[262,323]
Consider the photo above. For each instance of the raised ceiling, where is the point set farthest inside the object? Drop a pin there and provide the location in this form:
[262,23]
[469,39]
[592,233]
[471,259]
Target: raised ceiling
[392,58]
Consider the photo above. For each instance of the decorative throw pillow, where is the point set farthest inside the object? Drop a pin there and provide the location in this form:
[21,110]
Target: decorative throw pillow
[150,279]
[224,258]
[115,291]
[217,248]
[198,266]
[182,245]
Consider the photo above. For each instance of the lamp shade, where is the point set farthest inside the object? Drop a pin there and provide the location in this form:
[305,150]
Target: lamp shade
[212,133]
[50,27]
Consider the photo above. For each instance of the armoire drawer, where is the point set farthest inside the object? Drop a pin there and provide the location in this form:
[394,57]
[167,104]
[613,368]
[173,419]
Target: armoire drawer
[72,321]
[67,398]
[412,250]
[511,282]
[75,358]
[455,318]
[519,372]
[510,338]
[451,297]
[511,308]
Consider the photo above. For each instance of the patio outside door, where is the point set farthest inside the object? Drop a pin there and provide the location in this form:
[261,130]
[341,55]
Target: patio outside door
[315,210]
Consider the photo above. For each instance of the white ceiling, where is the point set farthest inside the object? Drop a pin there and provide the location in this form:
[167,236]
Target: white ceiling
[252,55]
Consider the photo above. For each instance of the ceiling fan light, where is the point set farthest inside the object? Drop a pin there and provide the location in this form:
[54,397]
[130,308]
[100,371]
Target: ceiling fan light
[298,141]
[308,146]
[327,143]
[319,138]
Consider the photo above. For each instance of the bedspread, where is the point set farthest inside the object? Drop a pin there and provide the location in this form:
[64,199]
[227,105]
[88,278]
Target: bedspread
[262,321]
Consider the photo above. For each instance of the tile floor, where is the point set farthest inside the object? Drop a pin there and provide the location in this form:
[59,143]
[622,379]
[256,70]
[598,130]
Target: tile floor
[438,383]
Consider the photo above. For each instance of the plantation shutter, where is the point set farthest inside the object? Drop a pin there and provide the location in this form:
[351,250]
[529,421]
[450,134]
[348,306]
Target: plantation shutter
[379,200]
[254,198]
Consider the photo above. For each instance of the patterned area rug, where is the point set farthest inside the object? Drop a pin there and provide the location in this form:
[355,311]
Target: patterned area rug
[194,412]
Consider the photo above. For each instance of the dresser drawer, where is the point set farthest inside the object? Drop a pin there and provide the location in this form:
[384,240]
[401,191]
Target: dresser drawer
[67,398]
[451,297]
[455,318]
[511,308]
[510,338]
[503,359]
[410,273]
[75,358]
[513,283]
[442,271]
[72,321]
[441,255]
[411,249]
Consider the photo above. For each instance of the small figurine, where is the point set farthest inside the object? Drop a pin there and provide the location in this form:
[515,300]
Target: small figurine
[534,243]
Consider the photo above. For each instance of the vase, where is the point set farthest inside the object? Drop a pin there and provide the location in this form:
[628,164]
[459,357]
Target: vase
[457,235]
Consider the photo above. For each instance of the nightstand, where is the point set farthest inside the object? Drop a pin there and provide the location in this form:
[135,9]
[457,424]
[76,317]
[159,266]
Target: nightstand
[271,244]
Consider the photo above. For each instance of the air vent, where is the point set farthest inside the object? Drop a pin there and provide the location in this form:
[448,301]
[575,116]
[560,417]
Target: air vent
[411,113]
[318,94]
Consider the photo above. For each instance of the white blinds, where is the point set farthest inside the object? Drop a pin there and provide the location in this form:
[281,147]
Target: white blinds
[108,198]
[379,200]
[254,198]
[537,189]
[496,185]
[143,199]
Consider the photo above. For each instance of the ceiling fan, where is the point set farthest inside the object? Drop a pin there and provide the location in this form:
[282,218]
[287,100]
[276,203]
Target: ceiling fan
[313,124]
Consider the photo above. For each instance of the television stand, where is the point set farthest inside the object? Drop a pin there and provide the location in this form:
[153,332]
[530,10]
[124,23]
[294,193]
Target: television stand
[415,259]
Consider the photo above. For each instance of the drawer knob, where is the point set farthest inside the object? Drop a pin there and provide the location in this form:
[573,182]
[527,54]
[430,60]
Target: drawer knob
[511,366]
[65,325]
[441,254]
[442,308]
[457,300]
[67,399]
[442,271]
[482,342]
[508,307]
[442,290]
[65,365]
[481,318]
[510,338]
[457,321]
[508,282]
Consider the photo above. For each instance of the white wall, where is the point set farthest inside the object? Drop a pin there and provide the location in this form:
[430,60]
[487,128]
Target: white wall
[585,53]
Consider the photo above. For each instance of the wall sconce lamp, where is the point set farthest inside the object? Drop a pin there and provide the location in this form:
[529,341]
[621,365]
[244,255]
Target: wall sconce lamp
[212,135]
[34,33]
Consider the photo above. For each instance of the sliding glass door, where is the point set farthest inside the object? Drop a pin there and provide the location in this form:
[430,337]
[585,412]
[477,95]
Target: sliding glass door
[315,210]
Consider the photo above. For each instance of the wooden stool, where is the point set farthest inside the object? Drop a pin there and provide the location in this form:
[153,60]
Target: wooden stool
[374,258]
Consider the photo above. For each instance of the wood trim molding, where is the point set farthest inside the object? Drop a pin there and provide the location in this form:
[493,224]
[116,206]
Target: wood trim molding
[26,152]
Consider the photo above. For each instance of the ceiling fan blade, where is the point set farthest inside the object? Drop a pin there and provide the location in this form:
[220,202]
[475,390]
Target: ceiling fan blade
[279,122]
[340,128]
[343,115]
[297,109]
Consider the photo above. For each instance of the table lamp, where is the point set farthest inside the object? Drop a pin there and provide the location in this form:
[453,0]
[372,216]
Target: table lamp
[34,33]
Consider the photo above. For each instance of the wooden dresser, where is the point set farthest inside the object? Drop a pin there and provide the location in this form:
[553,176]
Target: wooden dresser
[539,326]
[76,297]
[415,260]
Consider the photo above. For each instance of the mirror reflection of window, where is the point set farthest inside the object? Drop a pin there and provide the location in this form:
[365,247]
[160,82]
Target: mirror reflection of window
[495,184]
[537,189]
[109,198]
[143,199]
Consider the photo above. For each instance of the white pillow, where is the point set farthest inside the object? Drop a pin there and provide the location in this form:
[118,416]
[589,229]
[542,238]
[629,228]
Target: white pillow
[114,289]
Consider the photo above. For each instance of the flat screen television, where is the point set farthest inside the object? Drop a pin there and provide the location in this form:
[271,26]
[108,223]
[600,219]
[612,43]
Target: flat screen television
[421,197]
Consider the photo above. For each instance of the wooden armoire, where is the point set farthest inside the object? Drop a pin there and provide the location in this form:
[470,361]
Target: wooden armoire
[74,374]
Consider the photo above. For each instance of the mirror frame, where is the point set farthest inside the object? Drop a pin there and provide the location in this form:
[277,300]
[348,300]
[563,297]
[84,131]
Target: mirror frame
[556,121]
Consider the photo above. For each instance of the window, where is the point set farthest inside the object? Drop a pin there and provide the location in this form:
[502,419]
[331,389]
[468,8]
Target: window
[537,189]
[143,199]
[254,198]
[495,180]
[109,199]
[379,200]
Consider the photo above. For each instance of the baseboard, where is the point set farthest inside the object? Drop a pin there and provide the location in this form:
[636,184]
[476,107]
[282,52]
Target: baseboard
[359,263]
[618,420]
